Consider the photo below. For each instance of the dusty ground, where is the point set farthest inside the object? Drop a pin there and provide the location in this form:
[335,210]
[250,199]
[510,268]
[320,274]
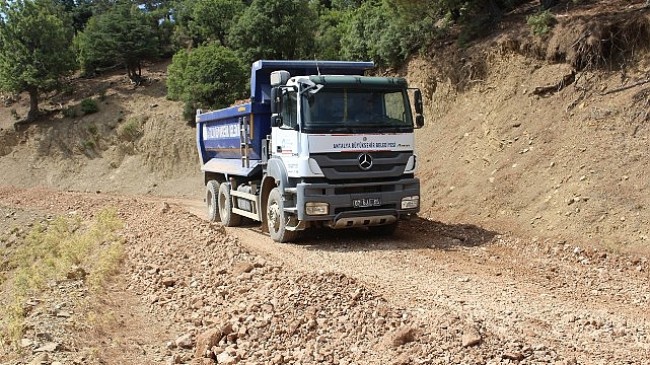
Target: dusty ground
[436,293]
[531,247]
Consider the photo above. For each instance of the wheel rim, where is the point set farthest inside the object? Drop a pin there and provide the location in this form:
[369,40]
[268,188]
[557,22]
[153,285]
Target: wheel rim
[274,216]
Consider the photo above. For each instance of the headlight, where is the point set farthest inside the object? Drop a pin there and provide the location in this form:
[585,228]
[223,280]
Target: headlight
[410,202]
[315,208]
[411,164]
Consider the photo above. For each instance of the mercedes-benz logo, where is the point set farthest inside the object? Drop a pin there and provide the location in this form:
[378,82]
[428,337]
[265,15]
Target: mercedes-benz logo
[365,161]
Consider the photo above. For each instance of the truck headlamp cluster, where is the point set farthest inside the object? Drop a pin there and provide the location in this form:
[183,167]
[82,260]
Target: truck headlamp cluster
[410,202]
[316,208]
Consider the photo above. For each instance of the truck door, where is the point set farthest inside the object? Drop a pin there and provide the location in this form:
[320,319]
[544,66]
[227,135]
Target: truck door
[284,139]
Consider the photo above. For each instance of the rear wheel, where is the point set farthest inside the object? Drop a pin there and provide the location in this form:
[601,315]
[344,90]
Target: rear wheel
[228,218]
[211,191]
[277,218]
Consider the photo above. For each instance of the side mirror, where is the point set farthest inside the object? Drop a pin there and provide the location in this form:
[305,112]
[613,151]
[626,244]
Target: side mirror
[276,100]
[276,120]
[419,109]
[419,121]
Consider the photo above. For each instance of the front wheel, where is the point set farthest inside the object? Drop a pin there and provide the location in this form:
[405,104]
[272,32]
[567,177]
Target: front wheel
[228,218]
[277,218]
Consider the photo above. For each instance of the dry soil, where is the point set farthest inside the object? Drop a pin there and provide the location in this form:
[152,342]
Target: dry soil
[531,246]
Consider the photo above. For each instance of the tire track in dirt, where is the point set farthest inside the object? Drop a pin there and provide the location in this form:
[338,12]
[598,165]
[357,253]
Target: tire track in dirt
[518,291]
[523,301]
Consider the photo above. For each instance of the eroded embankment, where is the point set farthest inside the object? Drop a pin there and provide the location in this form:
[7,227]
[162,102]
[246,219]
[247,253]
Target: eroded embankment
[545,136]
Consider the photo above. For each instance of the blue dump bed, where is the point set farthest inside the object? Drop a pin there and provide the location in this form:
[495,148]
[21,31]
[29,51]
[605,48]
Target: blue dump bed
[219,135]
[218,132]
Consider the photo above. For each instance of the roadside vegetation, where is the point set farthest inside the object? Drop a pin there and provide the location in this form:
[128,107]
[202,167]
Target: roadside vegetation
[213,42]
[43,42]
[62,249]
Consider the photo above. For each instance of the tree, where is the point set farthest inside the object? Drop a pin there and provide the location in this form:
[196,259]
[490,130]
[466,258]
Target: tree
[204,21]
[176,79]
[329,33]
[79,10]
[475,16]
[212,19]
[35,54]
[376,30]
[275,29]
[209,77]
[124,34]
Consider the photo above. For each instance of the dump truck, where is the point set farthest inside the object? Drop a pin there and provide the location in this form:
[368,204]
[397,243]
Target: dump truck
[318,144]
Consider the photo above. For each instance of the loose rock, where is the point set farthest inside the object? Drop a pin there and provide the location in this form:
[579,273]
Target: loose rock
[185,341]
[471,337]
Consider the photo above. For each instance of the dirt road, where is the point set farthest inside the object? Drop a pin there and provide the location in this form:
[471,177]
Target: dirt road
[553,299]
[433,294]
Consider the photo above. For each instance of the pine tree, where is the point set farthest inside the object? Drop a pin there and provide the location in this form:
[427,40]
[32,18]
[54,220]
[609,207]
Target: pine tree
[212,19]
[35,54]
[275,29]
[124,35]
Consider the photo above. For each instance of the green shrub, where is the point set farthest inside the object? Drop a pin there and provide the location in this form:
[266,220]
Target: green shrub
[89,106]
[87,145]
[541,23]
[69,112]
[189,112]
[176,80]
[130,130]
[208,77]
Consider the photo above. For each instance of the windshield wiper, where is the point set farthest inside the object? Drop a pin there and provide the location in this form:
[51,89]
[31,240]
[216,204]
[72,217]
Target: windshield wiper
[385,129]
[342,129]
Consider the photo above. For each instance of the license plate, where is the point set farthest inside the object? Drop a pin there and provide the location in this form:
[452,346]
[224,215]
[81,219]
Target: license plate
[366,202]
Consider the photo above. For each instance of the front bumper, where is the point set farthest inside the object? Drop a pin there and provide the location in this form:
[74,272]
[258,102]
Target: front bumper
[344,200]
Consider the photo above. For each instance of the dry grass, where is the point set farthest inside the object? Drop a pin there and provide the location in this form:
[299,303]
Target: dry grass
[49,252]
[131,130]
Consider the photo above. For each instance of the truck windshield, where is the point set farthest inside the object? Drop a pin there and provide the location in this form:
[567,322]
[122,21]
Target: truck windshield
[356,110]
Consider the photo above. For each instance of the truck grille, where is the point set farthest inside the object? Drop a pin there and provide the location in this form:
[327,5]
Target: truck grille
[347,165]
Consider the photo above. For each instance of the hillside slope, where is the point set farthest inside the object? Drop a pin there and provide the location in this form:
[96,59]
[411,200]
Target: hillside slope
[517,140]
[136,143]
[568,164]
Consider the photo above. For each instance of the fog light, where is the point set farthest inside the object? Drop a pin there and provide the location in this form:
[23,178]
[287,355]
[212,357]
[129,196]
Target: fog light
[314,208]
[410,202]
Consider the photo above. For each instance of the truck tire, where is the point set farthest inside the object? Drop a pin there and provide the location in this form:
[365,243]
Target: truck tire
[228,218]
[383,231]
[276,218]
[211,191]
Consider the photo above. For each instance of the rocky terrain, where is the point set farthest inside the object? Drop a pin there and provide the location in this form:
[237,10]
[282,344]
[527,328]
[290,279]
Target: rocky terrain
[531,246]
[436,294]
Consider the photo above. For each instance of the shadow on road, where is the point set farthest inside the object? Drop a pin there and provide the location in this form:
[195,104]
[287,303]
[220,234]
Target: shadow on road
[417,233]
